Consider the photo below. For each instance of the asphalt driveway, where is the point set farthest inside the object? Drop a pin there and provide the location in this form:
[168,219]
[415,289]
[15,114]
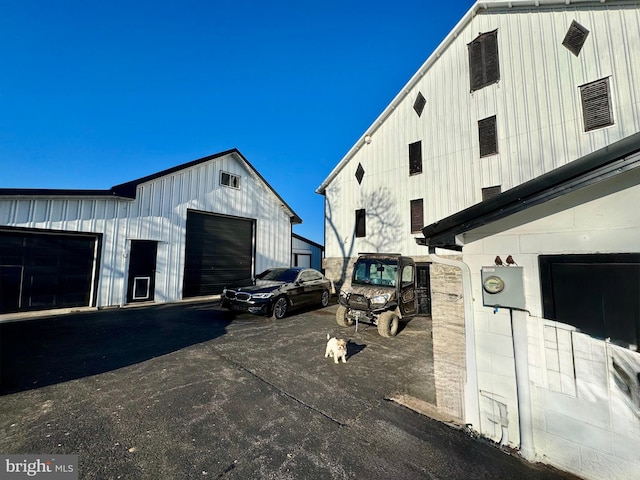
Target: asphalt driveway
[185,392]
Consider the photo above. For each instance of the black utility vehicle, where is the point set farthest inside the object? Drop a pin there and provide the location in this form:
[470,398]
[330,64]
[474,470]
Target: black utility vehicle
[277,290]
[382,291]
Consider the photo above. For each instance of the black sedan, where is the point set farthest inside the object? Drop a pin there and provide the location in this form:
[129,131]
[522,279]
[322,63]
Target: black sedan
[277,290]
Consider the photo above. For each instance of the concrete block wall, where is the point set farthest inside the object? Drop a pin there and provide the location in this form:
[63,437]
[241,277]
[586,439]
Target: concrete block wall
[585,419]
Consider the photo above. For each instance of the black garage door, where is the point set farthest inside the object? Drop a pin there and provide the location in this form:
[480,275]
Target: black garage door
[219,252]
[45,270]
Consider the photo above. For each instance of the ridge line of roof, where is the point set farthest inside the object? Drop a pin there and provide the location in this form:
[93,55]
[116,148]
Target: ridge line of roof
[128,189]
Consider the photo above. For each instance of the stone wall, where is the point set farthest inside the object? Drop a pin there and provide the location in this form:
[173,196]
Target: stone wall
[447,314]
[338,270]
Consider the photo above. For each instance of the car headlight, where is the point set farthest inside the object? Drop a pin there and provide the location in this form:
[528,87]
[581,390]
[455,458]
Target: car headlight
[380,299]
[262,296]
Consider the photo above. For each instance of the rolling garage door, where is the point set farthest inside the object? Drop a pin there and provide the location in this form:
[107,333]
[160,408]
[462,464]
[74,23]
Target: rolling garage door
[219,252]
[41,271]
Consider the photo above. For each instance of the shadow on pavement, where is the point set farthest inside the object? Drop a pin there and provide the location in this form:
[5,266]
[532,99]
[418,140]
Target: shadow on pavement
[49,350]
[354,348]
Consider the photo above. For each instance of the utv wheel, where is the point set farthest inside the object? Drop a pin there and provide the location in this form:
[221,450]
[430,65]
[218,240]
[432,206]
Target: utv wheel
[280,308]
[341,317]
[324,300]
[388,324]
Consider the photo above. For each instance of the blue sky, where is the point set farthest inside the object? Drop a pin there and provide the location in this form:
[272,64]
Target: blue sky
[94,93]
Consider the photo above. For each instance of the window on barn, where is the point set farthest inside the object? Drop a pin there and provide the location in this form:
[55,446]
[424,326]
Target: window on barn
[596,105]
[361,226]
[488,136]
[419,104]
[415,158]
[484,66]
[229,180]
[417,215]
[575,38]
[490,192]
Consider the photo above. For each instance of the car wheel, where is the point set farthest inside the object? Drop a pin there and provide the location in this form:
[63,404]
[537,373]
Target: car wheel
[280,307]
[341,317]
[388,324]
[324,300]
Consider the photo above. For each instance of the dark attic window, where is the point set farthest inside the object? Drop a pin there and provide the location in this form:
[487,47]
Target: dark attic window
[415,158]
[229,180]
[359,173]
[575,38]
[596,105]
[361,223]
[419,104]
[417,215]
[484,67]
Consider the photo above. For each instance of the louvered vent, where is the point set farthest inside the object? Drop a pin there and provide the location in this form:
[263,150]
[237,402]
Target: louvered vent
[488,136]
[490,192]
[484,65]
[575,38]
[419,104]
[596,105]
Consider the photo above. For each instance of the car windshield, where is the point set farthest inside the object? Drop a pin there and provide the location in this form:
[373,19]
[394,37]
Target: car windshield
[279,275]
[375,272]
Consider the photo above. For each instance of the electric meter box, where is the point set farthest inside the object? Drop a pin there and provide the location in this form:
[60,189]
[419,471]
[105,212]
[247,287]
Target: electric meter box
[503,287]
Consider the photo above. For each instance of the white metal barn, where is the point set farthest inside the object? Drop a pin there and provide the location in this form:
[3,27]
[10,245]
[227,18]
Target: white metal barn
[518,139]
[180,233]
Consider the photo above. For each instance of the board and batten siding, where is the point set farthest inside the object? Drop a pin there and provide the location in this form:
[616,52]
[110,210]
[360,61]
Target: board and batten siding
[538,110]
[159,213]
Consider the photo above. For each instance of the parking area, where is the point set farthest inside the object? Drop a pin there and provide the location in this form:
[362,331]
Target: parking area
[186,391]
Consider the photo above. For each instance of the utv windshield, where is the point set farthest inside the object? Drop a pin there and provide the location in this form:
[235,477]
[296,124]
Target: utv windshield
[375,272]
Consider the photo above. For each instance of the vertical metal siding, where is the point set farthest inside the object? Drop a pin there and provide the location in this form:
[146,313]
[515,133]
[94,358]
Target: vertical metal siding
[539,116]
[159,213]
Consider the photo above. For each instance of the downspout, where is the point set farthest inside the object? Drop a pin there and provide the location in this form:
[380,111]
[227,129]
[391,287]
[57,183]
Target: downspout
[471,401]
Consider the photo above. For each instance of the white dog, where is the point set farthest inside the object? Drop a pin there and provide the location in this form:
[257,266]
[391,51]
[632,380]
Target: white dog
[336,347]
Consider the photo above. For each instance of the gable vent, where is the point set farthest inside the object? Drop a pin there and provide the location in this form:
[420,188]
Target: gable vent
[596,104]
[359,173]
[575,38]
[419,104]
[488,136]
